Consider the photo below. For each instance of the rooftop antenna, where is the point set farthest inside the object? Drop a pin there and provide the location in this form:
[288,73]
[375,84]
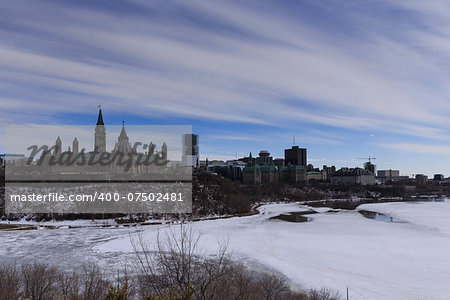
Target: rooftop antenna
[293,136]
[123,121]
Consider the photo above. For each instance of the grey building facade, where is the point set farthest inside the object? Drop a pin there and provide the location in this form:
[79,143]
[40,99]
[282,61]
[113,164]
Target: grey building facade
[353,176]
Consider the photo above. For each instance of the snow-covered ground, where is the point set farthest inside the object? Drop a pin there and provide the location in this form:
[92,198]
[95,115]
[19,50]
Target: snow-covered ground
[375,259]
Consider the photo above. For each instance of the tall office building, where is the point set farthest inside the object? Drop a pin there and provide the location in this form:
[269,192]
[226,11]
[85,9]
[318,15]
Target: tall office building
[190,150]
[295,156]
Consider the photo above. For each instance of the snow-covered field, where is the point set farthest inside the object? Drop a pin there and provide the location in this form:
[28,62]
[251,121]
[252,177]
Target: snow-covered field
[375,259]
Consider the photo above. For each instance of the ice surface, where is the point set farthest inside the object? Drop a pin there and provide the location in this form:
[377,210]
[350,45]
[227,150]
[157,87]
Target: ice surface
[375,259]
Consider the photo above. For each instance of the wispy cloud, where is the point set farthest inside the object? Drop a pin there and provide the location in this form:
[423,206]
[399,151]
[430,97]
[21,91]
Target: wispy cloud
[378,68]
[231,65]
[233,137]
[421,148]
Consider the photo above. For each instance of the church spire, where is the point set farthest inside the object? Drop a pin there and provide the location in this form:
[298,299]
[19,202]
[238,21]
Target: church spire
[100,133]
[100,118]
[250,160]
[123,134]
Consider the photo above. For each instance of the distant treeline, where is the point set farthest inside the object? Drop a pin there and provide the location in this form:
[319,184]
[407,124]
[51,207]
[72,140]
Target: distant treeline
[215,195]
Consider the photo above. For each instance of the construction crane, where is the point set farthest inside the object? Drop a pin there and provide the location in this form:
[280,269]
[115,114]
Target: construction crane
[369,158]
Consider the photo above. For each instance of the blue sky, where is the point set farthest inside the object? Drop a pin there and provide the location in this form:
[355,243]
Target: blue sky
[350,79]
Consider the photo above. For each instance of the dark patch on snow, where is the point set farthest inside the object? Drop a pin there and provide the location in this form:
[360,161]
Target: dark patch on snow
[380,217]
[297,217]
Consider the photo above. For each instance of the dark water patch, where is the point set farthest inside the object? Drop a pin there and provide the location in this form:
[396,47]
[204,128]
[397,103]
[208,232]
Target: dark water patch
[305,212]
[296,217]
[379,216]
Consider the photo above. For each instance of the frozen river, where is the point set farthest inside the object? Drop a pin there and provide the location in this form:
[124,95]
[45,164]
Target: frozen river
[375,259]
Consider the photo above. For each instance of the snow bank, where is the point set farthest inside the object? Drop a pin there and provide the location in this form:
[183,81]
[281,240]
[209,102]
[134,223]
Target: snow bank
[375,259]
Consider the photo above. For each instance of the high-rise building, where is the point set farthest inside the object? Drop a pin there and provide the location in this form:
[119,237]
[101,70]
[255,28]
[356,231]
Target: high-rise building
[295,156]
[190,144]
[190,156]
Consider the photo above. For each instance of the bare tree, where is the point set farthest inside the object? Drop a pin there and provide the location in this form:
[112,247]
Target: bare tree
[323,294]
[40,281]
[209,278]
[238,283]
[69,286]
[95,286]
[273,287]
[10,282]
[213,274]
[177,266]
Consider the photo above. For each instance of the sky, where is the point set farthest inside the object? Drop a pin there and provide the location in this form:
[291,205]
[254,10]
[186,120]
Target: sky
[349,79]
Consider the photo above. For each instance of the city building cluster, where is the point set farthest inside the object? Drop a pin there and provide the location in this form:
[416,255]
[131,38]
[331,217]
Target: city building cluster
[294,168]
[262,169]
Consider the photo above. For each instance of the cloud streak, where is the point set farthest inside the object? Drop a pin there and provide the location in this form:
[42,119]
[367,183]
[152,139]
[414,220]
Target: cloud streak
[421,148]
[379,66]
[274,58]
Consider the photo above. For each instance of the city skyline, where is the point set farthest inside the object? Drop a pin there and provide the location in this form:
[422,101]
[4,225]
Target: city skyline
[349,80]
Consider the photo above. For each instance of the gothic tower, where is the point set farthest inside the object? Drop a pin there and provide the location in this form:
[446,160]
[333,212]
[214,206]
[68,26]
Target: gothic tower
[123,145]
[100,134]
[164,152]
[58,147]
[75,147]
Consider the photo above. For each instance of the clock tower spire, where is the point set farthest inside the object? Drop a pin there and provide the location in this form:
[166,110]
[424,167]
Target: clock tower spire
[100,133]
